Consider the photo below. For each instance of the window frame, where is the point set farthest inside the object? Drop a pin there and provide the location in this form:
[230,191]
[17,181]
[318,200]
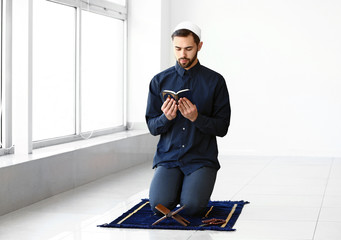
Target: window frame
[102,7]
[6,77]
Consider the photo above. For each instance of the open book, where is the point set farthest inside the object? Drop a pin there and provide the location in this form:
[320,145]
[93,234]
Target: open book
[177,95]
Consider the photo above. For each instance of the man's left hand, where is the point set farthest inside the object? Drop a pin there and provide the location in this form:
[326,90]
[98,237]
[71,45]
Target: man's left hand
[188,109]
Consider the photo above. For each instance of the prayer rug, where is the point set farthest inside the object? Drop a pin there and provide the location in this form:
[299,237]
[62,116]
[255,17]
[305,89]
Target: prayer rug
[141,216]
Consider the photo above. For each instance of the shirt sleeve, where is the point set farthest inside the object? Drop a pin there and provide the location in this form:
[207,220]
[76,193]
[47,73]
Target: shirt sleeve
[218,123]
[156,120]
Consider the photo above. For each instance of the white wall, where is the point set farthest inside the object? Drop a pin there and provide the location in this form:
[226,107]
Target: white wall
[282,64]
[281,61]
[148,24]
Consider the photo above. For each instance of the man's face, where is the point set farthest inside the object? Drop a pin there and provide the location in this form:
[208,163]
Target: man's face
[186,51]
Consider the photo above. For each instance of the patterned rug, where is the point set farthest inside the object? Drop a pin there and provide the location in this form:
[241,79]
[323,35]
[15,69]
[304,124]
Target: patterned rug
[141,216]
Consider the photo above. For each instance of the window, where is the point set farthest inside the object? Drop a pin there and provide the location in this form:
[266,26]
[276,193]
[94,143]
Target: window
[78,69]
[68,59]
[101,72]
[54,67]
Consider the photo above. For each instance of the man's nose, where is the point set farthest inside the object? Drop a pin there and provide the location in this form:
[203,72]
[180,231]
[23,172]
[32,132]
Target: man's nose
[183,53]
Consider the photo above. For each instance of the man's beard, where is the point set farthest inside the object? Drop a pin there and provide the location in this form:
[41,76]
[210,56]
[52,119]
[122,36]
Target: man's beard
[190,61]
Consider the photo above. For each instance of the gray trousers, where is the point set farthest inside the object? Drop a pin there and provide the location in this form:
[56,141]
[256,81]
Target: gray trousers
[171,187]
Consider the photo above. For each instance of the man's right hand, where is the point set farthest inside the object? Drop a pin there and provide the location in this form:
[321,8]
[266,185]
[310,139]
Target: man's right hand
[169,108]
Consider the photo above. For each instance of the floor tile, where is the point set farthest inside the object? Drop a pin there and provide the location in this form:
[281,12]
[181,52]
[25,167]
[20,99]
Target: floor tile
[268,200]
[125,234]
[263,230]
[331,214]
[333,189]
[10,234]
[279,213]
[328,231]
[332,201]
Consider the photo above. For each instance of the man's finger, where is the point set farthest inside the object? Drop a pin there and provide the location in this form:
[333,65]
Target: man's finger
[186,100]
[166,104]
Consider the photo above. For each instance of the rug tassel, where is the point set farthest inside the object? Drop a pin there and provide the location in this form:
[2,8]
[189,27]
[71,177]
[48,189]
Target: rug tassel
[131,214]
[208,212]
[230,215]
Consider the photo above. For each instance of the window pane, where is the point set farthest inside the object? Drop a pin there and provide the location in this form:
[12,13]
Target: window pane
[101,72]
[53,70]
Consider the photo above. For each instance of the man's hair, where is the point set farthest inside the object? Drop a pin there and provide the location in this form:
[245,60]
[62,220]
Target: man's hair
[185,33]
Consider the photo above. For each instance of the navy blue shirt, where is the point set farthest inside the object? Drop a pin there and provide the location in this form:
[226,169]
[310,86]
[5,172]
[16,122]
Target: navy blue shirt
[185,144]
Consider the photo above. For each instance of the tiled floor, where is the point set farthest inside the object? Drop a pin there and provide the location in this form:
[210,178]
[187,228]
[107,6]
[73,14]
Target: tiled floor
[291,198]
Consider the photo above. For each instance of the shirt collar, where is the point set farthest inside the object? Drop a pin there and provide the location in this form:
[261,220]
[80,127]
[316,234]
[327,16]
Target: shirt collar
[181,71]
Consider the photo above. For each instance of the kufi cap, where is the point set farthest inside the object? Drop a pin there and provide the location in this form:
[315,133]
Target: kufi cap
[189,26]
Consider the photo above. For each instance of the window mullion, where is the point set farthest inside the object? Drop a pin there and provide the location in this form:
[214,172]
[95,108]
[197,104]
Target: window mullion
[78,45]
[22,76]
[7,76]
[125,76]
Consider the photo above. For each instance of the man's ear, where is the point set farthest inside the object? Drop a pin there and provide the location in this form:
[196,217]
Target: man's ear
[200,46]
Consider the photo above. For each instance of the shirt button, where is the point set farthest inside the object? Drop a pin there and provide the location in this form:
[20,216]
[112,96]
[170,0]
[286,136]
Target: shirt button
[183,129]
[183,146]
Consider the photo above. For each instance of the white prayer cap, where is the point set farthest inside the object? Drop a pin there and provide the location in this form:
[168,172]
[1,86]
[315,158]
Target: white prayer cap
[189,26]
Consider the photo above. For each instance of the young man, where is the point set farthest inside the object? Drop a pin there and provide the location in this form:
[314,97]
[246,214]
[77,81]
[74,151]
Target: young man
[186,159]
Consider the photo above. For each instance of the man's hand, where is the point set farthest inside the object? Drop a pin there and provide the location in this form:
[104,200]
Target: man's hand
[188,109]
[169,108]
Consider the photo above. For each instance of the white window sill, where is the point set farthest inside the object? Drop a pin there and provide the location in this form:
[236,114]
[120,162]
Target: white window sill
[13,159]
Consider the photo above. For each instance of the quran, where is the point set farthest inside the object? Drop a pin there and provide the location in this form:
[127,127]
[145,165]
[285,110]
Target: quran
[177,95]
